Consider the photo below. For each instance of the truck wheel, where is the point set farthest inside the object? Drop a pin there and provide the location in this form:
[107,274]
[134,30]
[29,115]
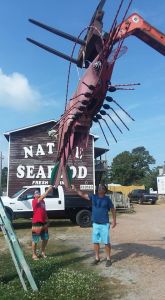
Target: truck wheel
[83,218]
[140,201]
[153,202]
[9,215]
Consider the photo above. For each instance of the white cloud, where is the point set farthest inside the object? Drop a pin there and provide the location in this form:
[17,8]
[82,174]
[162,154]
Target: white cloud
[16,92]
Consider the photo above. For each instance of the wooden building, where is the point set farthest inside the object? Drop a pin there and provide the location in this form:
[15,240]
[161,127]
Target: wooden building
[32,155]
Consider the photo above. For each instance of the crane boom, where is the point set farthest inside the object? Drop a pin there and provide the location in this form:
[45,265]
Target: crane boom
[137,26]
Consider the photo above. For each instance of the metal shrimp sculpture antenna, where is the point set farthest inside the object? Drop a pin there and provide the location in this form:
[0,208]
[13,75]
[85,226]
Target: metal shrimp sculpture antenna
[98,53]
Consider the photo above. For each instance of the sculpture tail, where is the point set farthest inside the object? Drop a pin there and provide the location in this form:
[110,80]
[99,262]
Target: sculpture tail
[66,173]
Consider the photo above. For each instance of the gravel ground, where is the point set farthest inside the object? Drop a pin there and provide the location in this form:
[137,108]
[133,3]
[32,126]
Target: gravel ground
[138,251]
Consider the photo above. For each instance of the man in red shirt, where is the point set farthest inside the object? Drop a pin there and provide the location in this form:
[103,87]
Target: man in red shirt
[39,223]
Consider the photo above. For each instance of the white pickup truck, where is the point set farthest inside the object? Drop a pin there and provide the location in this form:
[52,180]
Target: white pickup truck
[58,205]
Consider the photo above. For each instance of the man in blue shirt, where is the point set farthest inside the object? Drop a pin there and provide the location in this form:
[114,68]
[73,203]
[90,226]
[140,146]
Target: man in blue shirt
[101,205]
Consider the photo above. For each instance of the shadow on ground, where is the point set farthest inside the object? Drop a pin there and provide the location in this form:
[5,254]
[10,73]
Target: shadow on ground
[127,249]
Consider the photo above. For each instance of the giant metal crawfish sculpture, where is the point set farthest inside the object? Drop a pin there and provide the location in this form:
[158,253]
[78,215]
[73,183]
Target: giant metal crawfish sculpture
[98,55]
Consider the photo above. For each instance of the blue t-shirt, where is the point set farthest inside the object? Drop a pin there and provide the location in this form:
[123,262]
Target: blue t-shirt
[100,208]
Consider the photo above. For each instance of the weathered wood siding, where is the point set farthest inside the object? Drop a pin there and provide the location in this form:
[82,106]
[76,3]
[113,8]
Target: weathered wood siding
[32,153]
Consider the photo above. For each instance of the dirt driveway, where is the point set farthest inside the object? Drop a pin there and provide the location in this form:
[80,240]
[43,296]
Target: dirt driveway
[138,251]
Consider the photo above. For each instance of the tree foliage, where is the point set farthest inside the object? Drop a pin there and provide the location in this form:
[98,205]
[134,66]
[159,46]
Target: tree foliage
[150,181]
[121,168]
[133,168]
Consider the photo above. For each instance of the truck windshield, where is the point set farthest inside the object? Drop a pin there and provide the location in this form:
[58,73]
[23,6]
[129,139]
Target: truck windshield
[18,193]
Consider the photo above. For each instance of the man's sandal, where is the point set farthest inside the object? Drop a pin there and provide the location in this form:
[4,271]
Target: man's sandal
[108,263]
[95,262]
[43,256]
[35,258]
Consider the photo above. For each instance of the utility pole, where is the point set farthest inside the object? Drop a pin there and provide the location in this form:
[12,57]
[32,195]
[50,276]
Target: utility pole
[1,158]
[164,169]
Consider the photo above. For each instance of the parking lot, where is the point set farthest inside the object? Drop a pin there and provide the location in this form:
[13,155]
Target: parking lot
[138,250]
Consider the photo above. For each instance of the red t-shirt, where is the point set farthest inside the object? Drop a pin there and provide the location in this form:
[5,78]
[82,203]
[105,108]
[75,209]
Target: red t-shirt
[39,211]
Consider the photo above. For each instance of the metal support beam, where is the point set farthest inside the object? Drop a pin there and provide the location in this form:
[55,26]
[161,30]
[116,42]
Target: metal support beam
[53,51]
[16,251]
[58,32]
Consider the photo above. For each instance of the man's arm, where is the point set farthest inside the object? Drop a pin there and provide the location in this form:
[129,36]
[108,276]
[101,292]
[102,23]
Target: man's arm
[80,193]
[113,217]
[46,193]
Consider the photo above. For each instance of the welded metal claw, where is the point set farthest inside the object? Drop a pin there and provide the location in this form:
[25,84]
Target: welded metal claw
[99,117]
[110,99]
[103,112]
[97,121]
[107,106]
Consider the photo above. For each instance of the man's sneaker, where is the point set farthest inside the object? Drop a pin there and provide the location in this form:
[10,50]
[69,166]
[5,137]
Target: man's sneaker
[95,262]
[108,263]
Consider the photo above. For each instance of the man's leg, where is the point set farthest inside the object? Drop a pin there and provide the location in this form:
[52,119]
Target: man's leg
[96,241]
[97,248]
[108,251]
[108,254]
[106,238]
[44,238]
[43,246]
[34,250]
[35,241]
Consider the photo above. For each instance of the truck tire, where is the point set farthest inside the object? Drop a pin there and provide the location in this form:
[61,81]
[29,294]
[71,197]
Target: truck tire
[83,218]
[153,202]
[140,201]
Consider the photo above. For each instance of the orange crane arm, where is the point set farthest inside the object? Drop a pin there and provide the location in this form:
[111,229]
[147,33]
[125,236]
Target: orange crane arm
[136,25]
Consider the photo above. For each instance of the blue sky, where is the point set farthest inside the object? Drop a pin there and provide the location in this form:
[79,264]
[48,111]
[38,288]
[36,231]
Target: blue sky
[33,82]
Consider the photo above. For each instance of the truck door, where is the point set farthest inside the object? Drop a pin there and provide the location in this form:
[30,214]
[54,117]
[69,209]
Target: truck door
[54,201]
[23,203]
[135,195]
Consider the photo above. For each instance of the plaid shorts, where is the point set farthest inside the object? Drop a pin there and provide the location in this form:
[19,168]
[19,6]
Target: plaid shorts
[39,232]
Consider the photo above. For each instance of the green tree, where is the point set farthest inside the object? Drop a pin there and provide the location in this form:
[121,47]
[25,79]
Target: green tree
[141,163]
[150,181]
[131,167]
[121,168]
